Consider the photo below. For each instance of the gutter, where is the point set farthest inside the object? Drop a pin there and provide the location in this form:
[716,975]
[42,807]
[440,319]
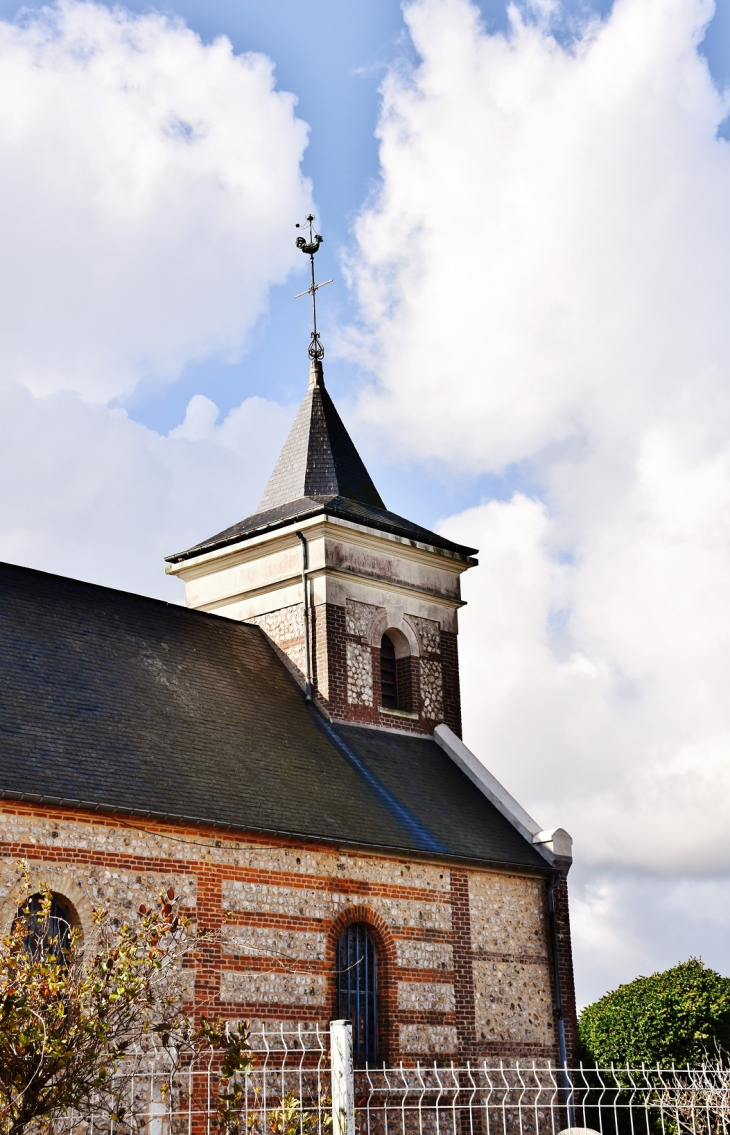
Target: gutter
[43,801]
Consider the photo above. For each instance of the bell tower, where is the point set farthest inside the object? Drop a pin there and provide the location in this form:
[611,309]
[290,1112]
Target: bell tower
[361,603]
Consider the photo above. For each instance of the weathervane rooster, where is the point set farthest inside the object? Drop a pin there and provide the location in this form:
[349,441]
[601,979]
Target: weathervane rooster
[309,247]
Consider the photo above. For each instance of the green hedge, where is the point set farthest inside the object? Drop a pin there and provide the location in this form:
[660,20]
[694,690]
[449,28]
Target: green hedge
[680,1016]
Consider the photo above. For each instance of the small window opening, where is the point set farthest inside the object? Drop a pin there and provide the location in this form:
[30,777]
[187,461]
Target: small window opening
[47,932]
[357,989]
[388,674]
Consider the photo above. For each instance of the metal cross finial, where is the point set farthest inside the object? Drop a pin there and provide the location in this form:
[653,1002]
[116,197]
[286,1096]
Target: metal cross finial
[316,350]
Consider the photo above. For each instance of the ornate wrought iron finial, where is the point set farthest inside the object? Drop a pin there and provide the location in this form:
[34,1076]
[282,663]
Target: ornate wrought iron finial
[309,247]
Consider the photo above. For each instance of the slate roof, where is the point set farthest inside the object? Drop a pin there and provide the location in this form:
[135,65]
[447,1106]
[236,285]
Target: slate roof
[319,471]
[117,702]
[319,458]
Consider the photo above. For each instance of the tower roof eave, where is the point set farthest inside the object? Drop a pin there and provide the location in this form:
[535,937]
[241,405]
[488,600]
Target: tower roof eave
[337,506]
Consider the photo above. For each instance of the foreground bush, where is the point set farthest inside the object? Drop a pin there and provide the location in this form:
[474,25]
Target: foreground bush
[680,1017]
[72,1017]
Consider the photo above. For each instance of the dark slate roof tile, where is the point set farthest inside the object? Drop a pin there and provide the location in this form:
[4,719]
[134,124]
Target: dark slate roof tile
[117,701]
[319,471]
[319,458]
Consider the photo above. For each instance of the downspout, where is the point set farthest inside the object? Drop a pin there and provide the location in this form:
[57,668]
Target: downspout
[559,1000]
[305,593]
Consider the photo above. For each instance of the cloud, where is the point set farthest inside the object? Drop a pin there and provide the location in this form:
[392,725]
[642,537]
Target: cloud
[147,187]
[94,495]
[546,263]
[596,687]
[148,184]
[613,942]
[543,279]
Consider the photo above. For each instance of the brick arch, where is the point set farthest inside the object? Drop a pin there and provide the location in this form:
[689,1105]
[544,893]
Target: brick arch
[407,653]
[391,621]
[387,970]
[58,879]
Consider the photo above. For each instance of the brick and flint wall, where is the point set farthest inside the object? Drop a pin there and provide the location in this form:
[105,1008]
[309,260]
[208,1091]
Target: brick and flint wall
[361,584]
[464,964]
[345,664]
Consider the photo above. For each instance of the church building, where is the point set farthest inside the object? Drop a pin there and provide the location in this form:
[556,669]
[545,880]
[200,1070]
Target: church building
[287,747]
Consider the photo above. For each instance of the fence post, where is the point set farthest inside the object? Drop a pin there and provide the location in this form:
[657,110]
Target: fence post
[343,1083]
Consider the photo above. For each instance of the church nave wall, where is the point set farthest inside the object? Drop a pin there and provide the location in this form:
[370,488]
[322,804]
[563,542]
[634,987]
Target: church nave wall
[463,958]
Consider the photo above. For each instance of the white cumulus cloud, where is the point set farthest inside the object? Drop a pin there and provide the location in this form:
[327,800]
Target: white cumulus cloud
[94,495]
[147,186]
[544,278]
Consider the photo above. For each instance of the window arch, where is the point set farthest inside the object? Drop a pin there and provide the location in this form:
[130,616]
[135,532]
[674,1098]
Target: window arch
[48,931]
[357,989]
[388,674]
[396,672]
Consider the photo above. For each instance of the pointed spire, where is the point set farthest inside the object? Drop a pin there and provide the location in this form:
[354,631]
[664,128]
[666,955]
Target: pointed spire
[319,458]
[319,470]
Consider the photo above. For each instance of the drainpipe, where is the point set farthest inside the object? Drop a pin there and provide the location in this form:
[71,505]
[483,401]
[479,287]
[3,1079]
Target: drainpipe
[305,593]
[559,1000]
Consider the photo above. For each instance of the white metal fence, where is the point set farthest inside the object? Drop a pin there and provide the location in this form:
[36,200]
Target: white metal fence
[484,1098]
[302,1083]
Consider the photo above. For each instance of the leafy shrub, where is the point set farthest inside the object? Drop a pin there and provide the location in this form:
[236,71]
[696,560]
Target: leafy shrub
[678,1017]
[72,1020]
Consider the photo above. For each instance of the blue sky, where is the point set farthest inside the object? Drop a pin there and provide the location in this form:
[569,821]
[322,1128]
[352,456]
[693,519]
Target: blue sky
[332,54]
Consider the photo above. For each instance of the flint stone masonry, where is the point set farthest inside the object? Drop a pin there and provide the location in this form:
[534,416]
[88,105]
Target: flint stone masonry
[513,1002]
[359,618]
[112,839]
[90,886]
[273,988]
[262,898]
[260,941]
[359,674]
[428,1039]
[429,634]
[508,914]
[423,915]
[432,689]
[415,953]
[428,996]
[285,627]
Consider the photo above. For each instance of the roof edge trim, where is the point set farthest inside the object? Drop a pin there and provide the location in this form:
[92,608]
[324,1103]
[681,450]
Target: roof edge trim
[502,800]
[440,544]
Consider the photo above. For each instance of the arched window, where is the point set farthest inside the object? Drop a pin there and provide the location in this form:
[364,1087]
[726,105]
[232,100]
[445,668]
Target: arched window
[388,674]
[49,931]
[357,989]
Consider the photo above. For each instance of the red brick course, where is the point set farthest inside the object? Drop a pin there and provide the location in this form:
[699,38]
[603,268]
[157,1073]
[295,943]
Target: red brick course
[565,965]
[450,668]
[463,967]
